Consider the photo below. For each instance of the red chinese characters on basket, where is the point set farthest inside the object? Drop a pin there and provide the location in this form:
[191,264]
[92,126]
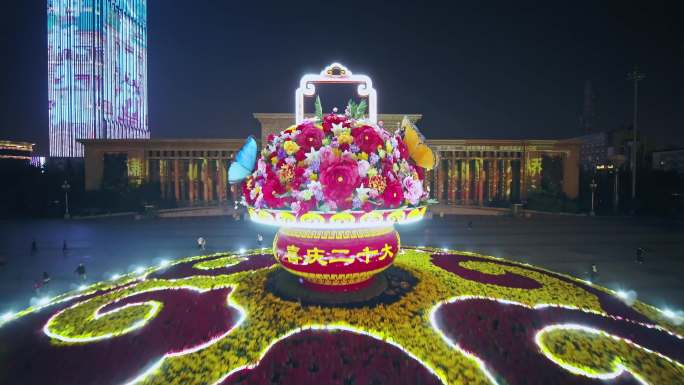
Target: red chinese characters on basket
[335,256]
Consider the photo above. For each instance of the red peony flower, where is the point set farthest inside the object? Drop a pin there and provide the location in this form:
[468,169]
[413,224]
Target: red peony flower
[339,179]
[393,195]
[271,190]
[310,137]
[270,138]
[367,139]
[331,119]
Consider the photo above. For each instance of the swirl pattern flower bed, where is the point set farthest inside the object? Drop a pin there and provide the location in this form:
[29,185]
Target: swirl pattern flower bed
[464,318]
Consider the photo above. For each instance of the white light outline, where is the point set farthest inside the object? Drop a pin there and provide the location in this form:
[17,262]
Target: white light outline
[230,303]
[307,87]
[330,225]
[537,335]
[155,307]
[619,368]
[138,324]
[131,278]
[235,260]
[330,327]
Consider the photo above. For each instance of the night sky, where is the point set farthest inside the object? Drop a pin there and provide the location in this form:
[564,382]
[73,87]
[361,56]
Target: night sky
[501,70]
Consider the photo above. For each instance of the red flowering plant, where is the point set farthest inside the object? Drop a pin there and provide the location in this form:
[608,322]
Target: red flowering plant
[335,162]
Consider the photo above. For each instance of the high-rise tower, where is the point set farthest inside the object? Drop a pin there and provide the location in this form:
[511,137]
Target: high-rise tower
[97,72]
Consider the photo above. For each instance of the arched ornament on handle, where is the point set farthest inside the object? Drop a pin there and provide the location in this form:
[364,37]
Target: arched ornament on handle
[336,73]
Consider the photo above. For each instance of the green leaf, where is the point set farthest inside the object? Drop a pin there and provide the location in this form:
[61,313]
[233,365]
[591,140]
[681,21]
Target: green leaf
[351,108]
[361,109]
[318,107]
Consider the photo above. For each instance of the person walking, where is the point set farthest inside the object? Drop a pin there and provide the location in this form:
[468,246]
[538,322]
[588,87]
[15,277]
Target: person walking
[593,272]
[81,271]
[201,243]
[64,247]
[260,240]
[46,278]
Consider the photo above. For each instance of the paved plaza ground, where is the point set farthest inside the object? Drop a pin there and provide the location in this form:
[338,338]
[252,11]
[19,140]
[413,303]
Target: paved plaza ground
[566,244]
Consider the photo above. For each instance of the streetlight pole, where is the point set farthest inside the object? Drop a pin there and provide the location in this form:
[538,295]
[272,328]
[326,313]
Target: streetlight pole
[635,76]
[66,187]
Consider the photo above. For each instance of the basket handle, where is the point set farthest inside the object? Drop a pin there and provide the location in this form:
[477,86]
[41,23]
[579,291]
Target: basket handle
[335,73]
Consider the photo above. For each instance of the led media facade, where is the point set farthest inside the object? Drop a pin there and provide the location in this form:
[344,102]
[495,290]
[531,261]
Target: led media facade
[97,72]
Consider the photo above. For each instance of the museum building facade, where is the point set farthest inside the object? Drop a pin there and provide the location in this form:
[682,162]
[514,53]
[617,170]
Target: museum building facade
[480,172]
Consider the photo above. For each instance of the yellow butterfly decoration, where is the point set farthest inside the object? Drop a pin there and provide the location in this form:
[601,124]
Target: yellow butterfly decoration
[420,152]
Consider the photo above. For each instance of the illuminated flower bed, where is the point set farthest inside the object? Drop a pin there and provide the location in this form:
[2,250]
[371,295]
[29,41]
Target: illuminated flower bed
[463,319]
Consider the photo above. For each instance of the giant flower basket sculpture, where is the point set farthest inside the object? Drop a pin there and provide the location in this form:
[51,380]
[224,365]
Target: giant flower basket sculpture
[336,185]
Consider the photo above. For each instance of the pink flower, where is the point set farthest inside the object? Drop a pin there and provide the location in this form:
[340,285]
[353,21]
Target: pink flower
[403,150]
[339,177]
[393,194]
[414,190]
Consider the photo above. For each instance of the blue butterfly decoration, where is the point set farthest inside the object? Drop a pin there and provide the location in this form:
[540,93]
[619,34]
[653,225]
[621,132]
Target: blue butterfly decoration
[244,163]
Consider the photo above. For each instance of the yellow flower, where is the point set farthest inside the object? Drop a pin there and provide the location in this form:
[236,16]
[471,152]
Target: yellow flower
[345,138]
[313,176]
[290,147]
[363,156]
[274,160]
[388,146]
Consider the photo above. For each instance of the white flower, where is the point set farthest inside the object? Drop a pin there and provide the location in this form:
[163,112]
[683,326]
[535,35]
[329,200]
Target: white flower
[337,129]
[363,193]
[311,156]
[363,166]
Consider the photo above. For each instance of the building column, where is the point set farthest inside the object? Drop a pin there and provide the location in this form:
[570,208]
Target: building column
[162,178]
[465,180]
[191,181]
[457,180]
[497,178]
[483,179]
[221,178]
[481,182]
[507,179]
[571,174]
[206,186]
[452,180]
[440,182]
[476,181]
[176,179]
[490,182]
